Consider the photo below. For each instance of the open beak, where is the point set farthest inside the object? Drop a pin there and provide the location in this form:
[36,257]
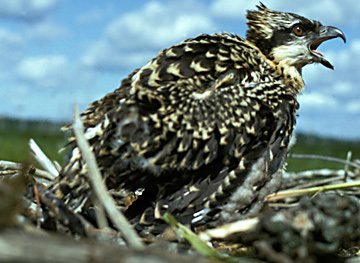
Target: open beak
[326,33]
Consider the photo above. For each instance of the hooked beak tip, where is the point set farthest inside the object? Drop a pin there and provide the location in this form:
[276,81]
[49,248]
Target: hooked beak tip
[332,32]
[341,35]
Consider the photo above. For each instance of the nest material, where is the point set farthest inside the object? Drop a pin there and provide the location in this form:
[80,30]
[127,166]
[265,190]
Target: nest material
[312,232]
[319,229]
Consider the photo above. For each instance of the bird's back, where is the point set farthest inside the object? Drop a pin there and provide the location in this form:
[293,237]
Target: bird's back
[198,130]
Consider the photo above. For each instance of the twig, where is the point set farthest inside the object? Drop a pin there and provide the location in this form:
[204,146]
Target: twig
[57,165]
[313,190]
[42,159]
[310,174]
[346,168]
[227,230]
[12,166]
[100,216]
[323,158]
[7,165]
[37,200]
[317,183]
[305,179]
[99,188]
[283,205]
[8,172]
[43,174]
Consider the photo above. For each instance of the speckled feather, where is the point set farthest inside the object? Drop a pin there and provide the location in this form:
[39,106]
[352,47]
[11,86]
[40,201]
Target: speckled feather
[187,130]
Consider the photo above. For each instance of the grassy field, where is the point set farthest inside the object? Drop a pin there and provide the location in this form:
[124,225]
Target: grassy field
[14,137]
[310,144]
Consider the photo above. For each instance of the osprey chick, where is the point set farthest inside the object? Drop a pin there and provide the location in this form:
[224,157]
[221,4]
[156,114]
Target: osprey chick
[201,131]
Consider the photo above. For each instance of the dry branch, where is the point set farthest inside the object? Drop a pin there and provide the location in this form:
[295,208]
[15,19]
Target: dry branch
[309,191]
[310,174]
[42,159]
[100,190]
[60,249]
[7,167]
[224,231]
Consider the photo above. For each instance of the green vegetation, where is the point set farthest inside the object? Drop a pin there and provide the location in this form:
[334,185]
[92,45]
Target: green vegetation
[311,144]
[15,134]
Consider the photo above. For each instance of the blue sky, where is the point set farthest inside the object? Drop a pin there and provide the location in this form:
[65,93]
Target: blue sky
[55,53]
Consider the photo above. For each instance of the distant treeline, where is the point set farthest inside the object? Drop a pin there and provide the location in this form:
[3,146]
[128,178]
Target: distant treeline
[17,125]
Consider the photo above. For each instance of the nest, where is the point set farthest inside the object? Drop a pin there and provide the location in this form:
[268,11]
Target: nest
[315,217]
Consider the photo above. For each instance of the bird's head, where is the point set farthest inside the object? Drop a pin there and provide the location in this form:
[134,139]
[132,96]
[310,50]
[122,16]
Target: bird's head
[289,38]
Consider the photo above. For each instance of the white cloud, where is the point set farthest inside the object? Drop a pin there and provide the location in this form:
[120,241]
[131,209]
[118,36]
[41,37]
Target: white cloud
[328,125]
[343,12]
[317,100]
[47,87]
[232,9]
[11,45]
[146,31]
[91,17]
[314,73]
[26,9]
[104,56]
[46,30]
[342,88]
[45,71]
[334,105]
[343,81]
[346,58]
[353,107]
[155,27]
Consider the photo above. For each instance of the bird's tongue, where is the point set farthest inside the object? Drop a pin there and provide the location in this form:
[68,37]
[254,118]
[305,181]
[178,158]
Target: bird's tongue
[317,52]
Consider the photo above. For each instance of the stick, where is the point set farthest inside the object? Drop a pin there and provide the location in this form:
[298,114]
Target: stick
[25,248]
[42,159]
[313,190]
[12,166]
[99,188]
[346,168]
[100,216]
[224,231]
[317,183]
[314,173]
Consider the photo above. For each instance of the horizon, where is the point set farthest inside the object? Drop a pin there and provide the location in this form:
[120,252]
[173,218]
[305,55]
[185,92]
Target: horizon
[55,126]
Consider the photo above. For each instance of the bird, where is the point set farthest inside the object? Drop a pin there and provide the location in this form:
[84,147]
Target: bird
[202,130]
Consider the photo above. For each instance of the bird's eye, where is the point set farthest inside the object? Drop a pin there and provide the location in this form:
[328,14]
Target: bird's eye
[299,30]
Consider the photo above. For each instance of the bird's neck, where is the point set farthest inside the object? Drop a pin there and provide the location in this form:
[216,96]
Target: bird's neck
[285,69]
[291,75]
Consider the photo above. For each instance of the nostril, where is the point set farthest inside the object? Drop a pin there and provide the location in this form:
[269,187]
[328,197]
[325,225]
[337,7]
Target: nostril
[323,31]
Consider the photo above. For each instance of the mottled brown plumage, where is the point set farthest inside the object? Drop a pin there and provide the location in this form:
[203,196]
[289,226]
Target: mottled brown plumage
[201,131]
